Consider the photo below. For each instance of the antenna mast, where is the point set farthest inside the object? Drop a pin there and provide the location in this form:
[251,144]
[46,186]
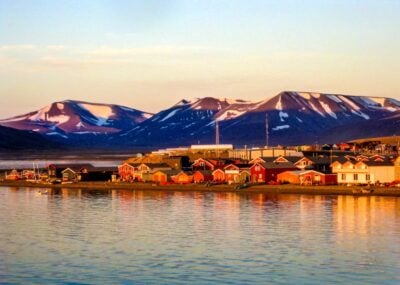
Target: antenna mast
[266,130]
[216,132]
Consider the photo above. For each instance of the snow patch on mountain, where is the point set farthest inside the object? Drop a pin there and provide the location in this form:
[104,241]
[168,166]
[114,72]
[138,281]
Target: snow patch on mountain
[230,114]
[349,102]
[334,98]
[80,125]
[60,119]
[169,115]
[316,109]
[277,128]
[278,105]
[328,110]
[283,115]
[99,111]
[305,95]
[361,114]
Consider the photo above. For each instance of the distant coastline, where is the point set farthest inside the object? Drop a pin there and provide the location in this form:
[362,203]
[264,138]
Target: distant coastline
[253,189]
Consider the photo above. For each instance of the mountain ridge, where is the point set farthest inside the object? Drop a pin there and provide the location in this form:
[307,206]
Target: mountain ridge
[292,118]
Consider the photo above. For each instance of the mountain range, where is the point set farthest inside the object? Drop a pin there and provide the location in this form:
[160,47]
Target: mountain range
[289,118]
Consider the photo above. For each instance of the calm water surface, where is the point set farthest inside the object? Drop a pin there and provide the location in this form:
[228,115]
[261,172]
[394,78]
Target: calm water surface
[125,237]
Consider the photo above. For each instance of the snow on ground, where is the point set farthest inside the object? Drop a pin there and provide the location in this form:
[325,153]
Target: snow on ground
[169,115]
[334,98]
[316,95]
[300,120]
[349,102]
[277,128]
[328,110]
[100,111]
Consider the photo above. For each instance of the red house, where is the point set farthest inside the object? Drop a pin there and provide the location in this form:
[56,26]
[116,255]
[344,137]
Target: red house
[268,171]
[204,164]
[307,177]
[201,176]
[127,171]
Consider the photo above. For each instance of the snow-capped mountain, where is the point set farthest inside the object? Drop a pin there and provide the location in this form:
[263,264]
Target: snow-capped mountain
[291,118]
[66,118]
[179,124]
[294,118]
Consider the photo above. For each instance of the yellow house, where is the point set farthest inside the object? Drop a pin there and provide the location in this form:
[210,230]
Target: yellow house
[363,172]
[397,168]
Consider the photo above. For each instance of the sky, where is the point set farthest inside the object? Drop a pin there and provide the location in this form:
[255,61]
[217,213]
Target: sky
[150,54]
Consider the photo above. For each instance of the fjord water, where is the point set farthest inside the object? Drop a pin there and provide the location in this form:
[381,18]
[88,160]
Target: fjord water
[125,237]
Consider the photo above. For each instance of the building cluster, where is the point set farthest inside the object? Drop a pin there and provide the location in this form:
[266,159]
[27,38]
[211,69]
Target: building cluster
[322,167]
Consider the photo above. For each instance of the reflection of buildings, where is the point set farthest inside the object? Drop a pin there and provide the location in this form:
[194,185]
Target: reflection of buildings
[361,215]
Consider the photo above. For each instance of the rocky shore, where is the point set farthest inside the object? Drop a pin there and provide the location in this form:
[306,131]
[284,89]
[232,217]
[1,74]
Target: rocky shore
[267,189]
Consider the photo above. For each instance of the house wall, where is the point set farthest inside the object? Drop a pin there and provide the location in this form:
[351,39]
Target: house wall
[372,174]
[329,179]
[271,174]
[182,178]
[199,177]
[257,173]
[385,174]
[159,177]
[288,177]
[244,176]
[126,172]
[219,176]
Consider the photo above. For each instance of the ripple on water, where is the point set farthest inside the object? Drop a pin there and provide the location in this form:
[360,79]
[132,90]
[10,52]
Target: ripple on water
[94,237]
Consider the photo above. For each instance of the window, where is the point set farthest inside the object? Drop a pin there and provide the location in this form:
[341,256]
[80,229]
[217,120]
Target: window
[257,168]
[355,177]
[367,177]
[343,177]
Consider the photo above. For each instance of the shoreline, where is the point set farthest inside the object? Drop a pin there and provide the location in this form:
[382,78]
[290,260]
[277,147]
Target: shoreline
[253,189]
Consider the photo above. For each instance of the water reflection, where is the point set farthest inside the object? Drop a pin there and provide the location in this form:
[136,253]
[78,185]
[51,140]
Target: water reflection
[125,236]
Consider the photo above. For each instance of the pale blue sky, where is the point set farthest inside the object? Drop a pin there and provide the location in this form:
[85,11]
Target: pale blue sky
[150,54]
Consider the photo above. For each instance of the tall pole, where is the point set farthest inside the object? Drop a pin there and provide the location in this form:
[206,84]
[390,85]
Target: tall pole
[266,130]
[217,137]
[216,132]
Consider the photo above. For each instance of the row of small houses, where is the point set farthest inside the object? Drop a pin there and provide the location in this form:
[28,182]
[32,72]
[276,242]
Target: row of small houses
[259,170]
[323,170]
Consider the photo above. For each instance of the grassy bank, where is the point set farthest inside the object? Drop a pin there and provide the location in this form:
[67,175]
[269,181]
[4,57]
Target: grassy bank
[273,189]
